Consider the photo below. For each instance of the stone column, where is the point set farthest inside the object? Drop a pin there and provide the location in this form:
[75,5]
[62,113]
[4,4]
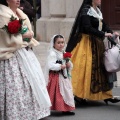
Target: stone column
[57,18]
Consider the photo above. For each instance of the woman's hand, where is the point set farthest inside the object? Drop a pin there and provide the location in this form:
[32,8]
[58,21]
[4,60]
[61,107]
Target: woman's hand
[63,67]
[116,34]
[28,34]
[108,35]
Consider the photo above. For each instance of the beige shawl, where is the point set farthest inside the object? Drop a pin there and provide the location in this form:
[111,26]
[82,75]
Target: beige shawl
[9,44]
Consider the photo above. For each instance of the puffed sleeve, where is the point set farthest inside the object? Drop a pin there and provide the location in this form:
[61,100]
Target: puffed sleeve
[52,62]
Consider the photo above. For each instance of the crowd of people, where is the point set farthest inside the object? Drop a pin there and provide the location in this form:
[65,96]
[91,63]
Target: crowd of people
[73,73]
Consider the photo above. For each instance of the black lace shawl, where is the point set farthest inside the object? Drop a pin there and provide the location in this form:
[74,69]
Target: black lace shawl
[75,31]
[87,25]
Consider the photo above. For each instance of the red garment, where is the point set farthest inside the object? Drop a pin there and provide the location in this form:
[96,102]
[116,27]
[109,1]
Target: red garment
[54,93]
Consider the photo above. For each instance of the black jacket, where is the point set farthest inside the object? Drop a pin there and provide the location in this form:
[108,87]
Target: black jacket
[85,24]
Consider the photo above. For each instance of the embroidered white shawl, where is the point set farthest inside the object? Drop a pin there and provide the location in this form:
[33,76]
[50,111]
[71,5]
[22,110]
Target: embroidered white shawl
[97,14]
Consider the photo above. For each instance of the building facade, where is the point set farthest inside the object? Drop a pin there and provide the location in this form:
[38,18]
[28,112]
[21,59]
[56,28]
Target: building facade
[58,17]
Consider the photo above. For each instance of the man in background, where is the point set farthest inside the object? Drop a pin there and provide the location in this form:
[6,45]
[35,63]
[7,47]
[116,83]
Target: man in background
[27,8]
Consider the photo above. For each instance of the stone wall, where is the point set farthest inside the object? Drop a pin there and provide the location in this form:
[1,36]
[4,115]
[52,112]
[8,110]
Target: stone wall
[57,18]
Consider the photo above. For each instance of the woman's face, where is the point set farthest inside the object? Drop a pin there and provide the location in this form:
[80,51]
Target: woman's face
[13,3]
[97,2]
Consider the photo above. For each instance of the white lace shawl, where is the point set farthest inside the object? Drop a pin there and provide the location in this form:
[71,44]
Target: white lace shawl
[98,15]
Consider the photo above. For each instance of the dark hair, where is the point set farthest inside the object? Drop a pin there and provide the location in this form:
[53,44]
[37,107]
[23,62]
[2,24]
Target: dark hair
[56,37]
[87,2]
[3,2]
[73,38]
[22,1]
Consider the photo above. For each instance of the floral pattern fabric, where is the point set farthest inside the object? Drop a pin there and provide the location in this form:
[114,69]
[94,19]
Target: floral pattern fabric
[17,101]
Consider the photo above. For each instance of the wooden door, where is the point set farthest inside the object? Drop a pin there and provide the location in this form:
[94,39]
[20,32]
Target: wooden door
[111,13]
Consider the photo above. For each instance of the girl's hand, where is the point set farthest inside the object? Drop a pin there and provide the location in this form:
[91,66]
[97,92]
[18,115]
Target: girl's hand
[63,67]
[28,34]
[68,64]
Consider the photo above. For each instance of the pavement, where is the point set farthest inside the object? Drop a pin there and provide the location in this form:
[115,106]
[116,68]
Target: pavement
[93,110]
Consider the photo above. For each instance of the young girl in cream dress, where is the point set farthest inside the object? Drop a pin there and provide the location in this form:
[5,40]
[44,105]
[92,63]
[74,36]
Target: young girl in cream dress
[58,85]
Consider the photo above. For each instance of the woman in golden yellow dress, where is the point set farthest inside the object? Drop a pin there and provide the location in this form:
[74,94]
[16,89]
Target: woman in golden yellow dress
[90,80]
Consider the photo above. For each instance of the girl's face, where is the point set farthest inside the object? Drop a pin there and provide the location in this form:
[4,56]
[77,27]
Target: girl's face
[13,3]
[97,2]
[59,44]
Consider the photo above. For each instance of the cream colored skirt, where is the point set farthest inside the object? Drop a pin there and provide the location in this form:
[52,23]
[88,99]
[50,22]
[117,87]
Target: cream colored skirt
[23,93]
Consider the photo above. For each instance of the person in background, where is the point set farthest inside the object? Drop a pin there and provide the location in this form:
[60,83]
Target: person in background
[30,1]
[23,92]
[90,80]
[38,11]
[27,8]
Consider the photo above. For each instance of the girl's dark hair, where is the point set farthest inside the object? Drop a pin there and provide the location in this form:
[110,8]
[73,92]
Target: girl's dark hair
[56,37]
[3,2]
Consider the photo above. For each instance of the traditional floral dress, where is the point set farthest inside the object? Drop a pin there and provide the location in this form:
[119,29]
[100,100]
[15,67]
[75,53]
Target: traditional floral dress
[23,92]
[17,94]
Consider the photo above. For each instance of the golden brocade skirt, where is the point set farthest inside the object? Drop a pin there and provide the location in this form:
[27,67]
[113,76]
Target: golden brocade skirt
[85,70]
